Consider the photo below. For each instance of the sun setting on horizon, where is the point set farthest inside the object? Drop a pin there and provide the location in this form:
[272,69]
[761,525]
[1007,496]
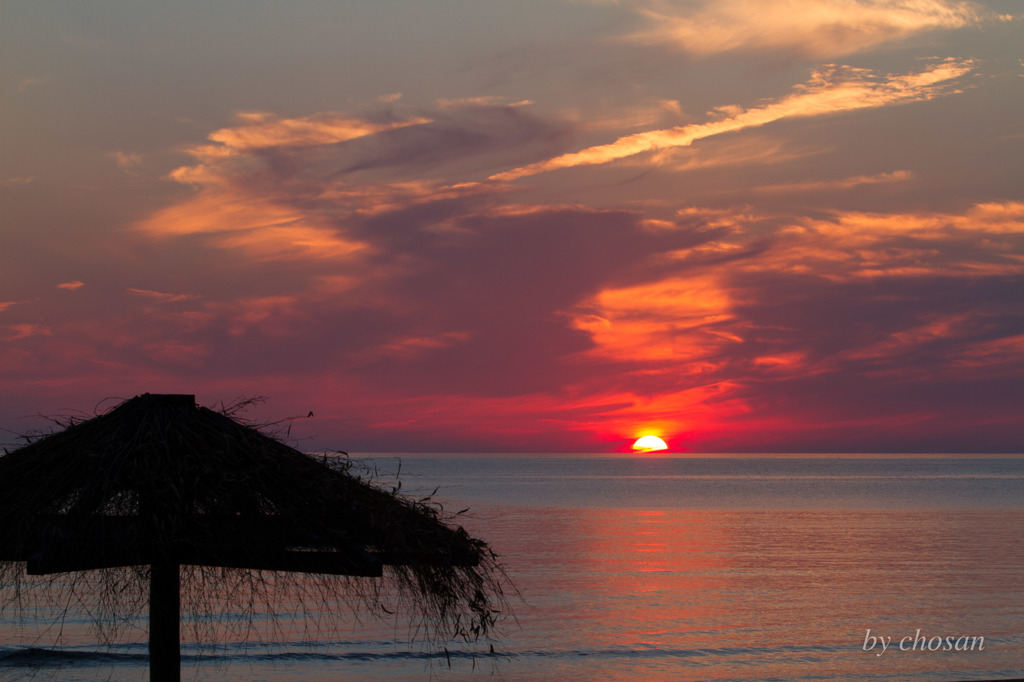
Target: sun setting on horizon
[649,444]
[475,248]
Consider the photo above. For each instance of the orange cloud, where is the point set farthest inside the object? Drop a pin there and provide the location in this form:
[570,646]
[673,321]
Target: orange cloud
[485,101]
[744,151]
[994,217]
[830,90]
[375,199]
[952,337]
[72,285]
[693,325]
[860,244]
[635,115]
[238,208]
[259,130]
[162,297]
[818,29]
[266,312]
[238,217]
[24,331]
[247,204]
[992,354]
[411,346]
[27,82]
[19,181]
[127,161]
[671,319]
[856,244]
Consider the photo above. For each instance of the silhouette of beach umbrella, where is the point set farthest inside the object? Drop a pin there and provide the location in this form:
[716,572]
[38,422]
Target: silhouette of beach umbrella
[160,482]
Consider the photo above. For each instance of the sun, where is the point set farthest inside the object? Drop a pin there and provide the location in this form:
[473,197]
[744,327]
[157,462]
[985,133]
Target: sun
[649,444]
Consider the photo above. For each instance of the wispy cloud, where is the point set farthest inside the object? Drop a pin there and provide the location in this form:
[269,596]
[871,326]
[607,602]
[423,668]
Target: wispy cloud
[743,151]
[830,90]
[284,188]
[17,332]
[72,285]
[176,353]
[18,181]
[482,101]
[844,183]
[697,318]
[821,29]
[237,217]
[235,149]
[164,297]
[28,82]
[260,130]
[127,161]
[411,346]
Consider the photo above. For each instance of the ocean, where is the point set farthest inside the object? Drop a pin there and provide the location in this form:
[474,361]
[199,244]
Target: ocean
[673,567]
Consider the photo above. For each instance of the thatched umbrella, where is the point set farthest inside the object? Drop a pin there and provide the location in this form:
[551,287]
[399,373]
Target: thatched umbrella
[160,482]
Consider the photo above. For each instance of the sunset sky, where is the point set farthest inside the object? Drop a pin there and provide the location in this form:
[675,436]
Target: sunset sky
[530,226]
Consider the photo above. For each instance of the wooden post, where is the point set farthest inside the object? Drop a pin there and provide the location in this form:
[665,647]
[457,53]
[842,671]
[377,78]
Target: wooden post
[164,622]
[165,576]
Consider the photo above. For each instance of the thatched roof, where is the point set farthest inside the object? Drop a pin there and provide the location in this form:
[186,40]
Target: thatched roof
[159,479]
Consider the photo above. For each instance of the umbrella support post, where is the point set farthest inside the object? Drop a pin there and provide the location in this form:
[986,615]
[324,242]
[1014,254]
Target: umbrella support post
[164,622]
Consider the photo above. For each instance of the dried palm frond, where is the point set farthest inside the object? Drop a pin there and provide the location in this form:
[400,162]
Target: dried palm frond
[158,479]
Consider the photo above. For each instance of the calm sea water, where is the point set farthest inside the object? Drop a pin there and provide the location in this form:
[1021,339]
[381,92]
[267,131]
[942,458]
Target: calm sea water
[675,568]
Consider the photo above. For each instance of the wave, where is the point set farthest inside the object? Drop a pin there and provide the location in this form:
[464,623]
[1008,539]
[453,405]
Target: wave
[39,657]
[324,652]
